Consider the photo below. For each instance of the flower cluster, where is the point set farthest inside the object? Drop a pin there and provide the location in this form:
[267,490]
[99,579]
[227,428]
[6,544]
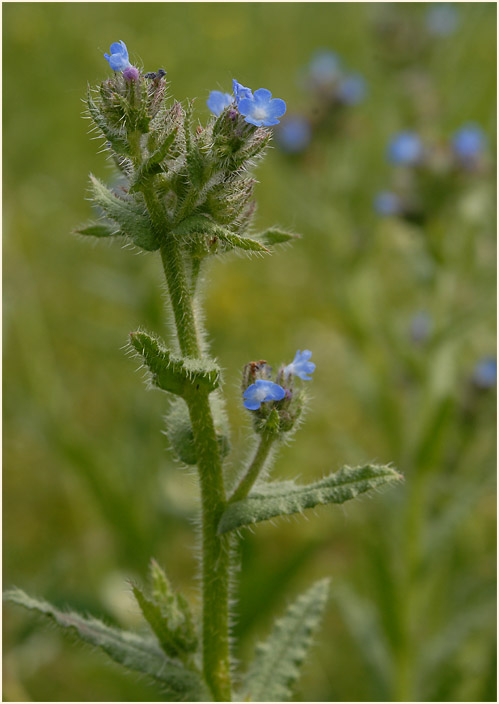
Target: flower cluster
[426,170]
[275,403]
[331,88]
[258,108]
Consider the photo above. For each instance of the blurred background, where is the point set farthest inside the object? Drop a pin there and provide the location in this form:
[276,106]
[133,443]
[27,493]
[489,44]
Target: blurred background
[385,164]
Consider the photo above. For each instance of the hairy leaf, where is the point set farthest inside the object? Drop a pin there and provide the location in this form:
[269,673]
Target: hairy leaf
[152,165]
[283,498]
[132,220]
[276,665]
[198,224]
[130,650]
[94,229]
[170,372]
[274,236]
[118,141]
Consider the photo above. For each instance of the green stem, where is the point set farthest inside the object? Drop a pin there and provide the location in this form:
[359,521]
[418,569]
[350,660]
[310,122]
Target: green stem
[215,548]
[261,454]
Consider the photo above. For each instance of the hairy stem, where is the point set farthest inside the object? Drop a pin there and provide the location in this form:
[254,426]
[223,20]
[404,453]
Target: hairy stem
[261,454]
[215,548]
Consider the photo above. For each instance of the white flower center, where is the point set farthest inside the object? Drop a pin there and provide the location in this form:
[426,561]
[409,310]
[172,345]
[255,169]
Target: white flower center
[260,393]
[260,113]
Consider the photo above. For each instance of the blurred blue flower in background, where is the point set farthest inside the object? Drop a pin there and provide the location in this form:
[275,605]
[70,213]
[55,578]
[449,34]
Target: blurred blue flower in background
[485,373]
[468,142]
[352,89]
[300,366]
[420,326]
[260,392]
[325,67]
[261,108]
[387,203]
[119,56]
[294,134]
[218,101]
[442,19]
[240,91]
[406,148]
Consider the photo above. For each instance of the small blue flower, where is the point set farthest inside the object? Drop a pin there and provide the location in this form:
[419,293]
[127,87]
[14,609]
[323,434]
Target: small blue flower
[260,392]
[300,366]
[240,91]
[325,67]
[387,203]
[485,373]
[218,101]
[294,134]
[352,89]
[468,142]
[442,19]
[119,56]
[405,148]
[261,108]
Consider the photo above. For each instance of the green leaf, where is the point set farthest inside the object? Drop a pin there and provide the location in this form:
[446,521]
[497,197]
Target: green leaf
[172,373]
[131,218]
[283,498]
[130,650]
[276,665]
[118,141]
[197,224]
[152,165]
[179,430]
[94,229]
[274,236]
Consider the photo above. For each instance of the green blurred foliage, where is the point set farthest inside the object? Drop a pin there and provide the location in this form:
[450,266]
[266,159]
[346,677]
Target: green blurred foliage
[91,492]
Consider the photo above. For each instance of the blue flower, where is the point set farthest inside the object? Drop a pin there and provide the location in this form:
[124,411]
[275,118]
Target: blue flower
[300,366]
[325,67]
[294,134]
[261,108]
[405,148]
[468,142]
[240,91]
[119,56]
[261,391]
[485,373]
[218,101]
[352,89]
[442,19]
[387,203]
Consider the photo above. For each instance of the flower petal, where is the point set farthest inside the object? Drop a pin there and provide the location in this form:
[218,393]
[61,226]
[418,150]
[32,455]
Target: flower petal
[262,95]
[277,108]
[246,106]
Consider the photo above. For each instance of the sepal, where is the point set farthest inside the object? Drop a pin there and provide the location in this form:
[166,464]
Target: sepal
[276,665]
[172,373]
[98,229]
[200,224]
[153,164]
[275,235]
[114,135]
[284,498]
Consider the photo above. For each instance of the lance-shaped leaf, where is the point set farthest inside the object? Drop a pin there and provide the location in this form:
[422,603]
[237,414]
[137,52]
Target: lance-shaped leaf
[130,650]
[152,165]
[170,372]
[276,665]
[274,236]
[283,498]
[131,218]
[199,224]
[118,141]
[98,229]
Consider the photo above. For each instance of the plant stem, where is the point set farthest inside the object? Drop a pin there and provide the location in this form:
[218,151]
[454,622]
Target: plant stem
[255,467]
[215,548]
